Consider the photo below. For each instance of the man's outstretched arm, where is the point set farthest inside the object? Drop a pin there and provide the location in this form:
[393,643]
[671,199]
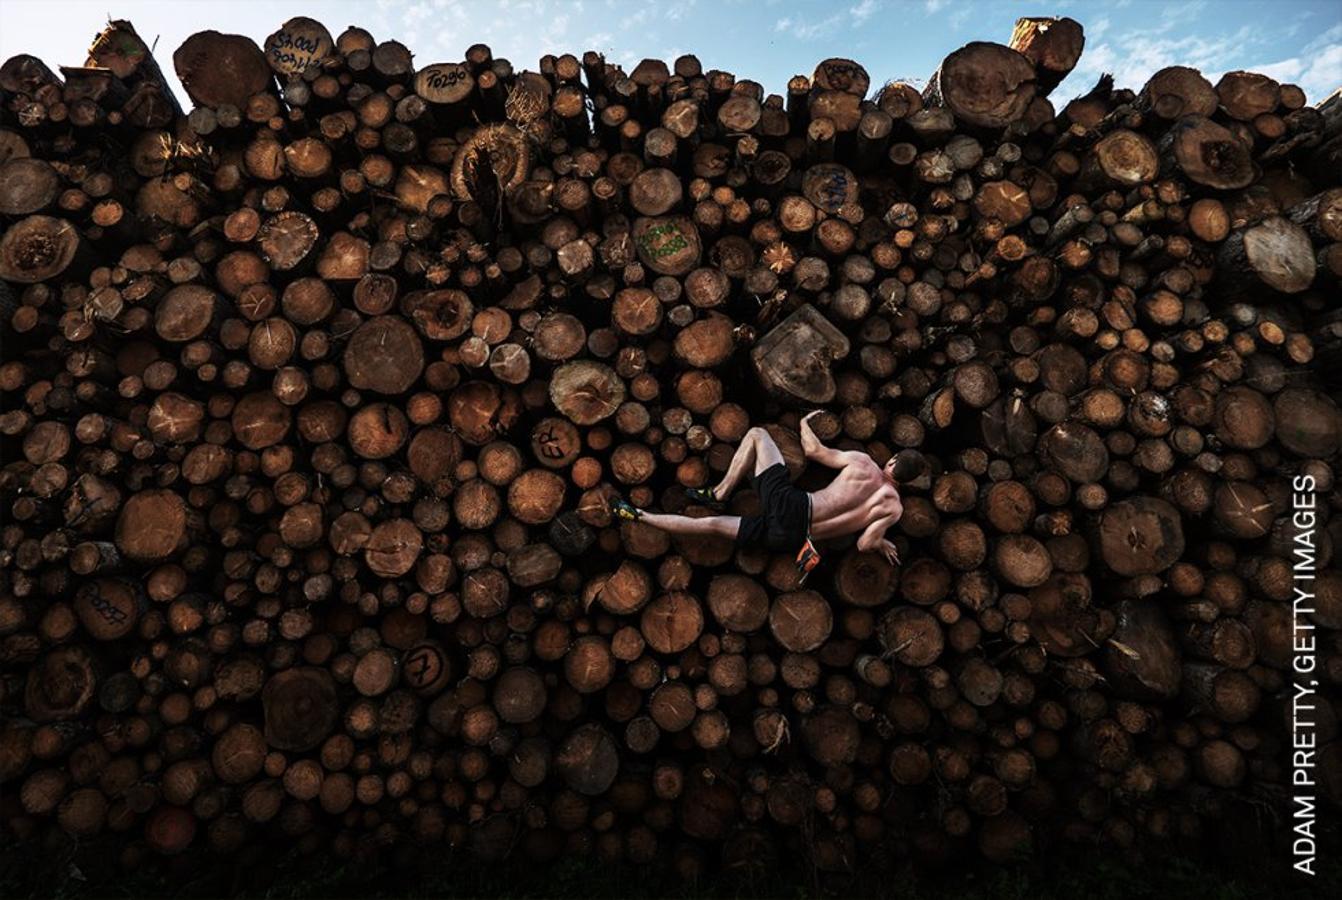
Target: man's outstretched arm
[811,446]
[874,539]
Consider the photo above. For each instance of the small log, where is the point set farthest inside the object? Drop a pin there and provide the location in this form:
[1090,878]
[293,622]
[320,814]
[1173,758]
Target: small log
[1275,252]
[41,248]
[1141,536]
[1207,154]
[586,392]
[300,708]
[300,45]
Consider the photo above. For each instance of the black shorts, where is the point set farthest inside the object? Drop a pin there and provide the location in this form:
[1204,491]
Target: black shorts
[785,522]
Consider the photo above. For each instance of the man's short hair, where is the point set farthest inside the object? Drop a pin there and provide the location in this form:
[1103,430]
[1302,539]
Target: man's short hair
[909,465]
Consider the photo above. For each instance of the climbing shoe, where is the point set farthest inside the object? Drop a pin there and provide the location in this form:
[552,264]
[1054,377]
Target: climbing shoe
[623,510]
[702,495]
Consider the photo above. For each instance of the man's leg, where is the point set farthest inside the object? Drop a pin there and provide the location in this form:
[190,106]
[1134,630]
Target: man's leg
[718,526]
[756,453]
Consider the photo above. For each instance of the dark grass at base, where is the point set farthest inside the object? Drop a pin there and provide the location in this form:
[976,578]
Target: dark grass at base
[89,870]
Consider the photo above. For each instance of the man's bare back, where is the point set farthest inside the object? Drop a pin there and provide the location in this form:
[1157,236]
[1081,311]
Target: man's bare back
[860,496]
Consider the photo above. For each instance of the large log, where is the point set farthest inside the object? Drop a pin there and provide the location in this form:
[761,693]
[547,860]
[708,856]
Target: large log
[795,358]
[1053,45]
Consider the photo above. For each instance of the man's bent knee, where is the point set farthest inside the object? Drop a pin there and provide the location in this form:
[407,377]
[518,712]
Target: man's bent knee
[766,454]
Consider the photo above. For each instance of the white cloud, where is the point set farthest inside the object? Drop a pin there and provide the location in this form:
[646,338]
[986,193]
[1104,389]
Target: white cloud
[1331,36]
[637,19]
[1288,70]
[1096,31]
[1318,75]
[1181,13]
[1135,55]
[809,31]
[958,18]
[1324,74]
[863,11]
[934,6]
[416,13]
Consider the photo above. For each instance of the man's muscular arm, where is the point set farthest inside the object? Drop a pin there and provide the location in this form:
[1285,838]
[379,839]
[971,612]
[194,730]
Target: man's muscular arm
[811,446]
[877,539]
[874,536]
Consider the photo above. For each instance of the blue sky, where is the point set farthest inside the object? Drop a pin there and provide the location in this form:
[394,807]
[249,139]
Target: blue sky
[767,40]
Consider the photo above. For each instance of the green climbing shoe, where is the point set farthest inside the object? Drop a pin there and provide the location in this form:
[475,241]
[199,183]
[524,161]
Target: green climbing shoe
[702,495]
[624,510]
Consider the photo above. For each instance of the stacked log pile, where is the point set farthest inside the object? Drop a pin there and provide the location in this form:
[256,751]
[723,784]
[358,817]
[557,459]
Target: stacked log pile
[314,396]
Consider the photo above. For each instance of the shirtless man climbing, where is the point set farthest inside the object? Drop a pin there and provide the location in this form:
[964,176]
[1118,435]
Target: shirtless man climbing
[863,498]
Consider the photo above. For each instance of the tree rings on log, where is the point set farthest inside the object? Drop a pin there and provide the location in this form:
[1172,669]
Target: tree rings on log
[1075,451]
[1208,154]
[519,695]
[440,315]
[1141,657]
[27,186]
[627,590]
[984,84]
[60,685]
[555,442]
[444,83]
[668,245]
[221,69]
[38,248]
[1244,419]
[1062,618]
[865,579]
[286,239]
[586,392]
[705,343]
[384,355]
[1141,536]
[107,608]
[1276,251]
[480,411]
[300,708]
[588,760]
[800,620]
[794,359]
[152,526]
[912,635]
[1309,422]
[491,164]
[300,44]
[738,602]
[830,186]
[672,622]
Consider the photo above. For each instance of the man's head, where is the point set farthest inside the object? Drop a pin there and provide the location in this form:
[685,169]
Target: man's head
[905,466]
